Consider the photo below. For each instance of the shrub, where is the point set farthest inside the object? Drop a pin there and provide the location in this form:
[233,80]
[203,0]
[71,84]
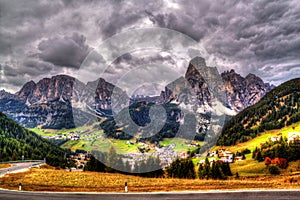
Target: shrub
[268,161]
[280,162]
[237,175]
[283,163]
[274,170]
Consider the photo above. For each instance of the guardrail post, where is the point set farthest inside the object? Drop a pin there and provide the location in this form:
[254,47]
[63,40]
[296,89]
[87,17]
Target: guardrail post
[126,187]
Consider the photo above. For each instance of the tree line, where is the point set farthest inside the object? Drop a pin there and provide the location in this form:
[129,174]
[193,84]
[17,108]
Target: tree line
[180,168]
[114,164]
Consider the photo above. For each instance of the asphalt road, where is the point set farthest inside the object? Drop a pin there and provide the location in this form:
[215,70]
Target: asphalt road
[257,195]
[17,167]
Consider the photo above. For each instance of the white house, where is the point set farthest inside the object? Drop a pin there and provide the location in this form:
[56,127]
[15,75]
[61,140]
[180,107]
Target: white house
[274,138]
[293,136]
[239,158]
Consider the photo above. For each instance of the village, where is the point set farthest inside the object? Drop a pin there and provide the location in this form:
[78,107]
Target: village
[167,154]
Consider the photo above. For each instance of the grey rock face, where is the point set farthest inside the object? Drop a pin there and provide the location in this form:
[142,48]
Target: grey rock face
[240,92]
[52,102]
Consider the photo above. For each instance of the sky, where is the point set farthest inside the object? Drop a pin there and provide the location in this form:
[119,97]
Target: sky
[44,38]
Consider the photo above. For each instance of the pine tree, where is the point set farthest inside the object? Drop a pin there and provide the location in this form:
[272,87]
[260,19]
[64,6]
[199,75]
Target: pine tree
[254,153]
[259,156]
[200,171]
[190,169]
[214,170]
[127,167]
[112,159]
[207,170]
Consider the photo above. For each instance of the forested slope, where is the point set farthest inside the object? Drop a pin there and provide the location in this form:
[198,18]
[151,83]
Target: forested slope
[16,141]
[278,108]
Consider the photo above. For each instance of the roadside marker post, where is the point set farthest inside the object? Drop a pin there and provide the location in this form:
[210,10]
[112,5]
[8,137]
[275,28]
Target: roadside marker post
[20,186]
[126,187]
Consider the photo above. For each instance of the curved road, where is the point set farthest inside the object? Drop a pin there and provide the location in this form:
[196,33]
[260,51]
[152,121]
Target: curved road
[18,166]
[255,195]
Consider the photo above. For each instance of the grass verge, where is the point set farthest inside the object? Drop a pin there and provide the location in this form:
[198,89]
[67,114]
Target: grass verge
[61,180]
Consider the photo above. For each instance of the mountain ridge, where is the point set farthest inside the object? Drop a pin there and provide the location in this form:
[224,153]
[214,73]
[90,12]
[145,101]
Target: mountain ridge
[56,98]
[240,92]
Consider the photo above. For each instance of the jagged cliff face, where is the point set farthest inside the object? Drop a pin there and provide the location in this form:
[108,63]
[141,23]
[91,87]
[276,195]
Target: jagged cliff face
[190,92]
[104,92]
[240,92]
[47,89]
[243,92]
[7,95]
[53,102]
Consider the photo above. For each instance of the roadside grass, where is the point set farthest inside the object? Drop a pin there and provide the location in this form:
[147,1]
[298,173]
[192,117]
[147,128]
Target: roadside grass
[3,166]
[293,167]
[61,180]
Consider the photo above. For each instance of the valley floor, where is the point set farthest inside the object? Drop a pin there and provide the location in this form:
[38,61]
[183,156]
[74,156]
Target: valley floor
[62,180]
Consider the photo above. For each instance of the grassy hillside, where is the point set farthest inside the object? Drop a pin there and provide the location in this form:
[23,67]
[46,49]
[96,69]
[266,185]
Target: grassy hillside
[251,167]
[278,108]
[91,138]
[262,138]
[16,141]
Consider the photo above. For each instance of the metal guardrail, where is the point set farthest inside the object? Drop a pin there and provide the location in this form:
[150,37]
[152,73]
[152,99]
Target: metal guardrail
[31,163]
[21,161]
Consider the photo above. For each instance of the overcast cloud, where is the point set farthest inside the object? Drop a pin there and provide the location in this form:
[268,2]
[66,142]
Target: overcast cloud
[43,38]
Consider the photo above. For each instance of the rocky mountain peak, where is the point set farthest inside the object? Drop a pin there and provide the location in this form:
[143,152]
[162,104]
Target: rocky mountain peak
[47,89]
[7,95]
[51,101]
[243,92]
[252,76]
[190,91]
[26,90]
[240,92]
[231,76]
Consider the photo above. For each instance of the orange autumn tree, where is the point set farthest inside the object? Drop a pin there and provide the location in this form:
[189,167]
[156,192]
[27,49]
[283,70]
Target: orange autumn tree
[268,161]
[280,162]
[276,161]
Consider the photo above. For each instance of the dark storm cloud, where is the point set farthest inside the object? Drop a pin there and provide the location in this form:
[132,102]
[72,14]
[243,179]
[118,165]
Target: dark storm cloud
[9,71]
[65,51]
[124,14]
[185,25]
[39,38]
[5,47]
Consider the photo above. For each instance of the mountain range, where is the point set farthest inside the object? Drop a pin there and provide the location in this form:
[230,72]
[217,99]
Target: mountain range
[52,102]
